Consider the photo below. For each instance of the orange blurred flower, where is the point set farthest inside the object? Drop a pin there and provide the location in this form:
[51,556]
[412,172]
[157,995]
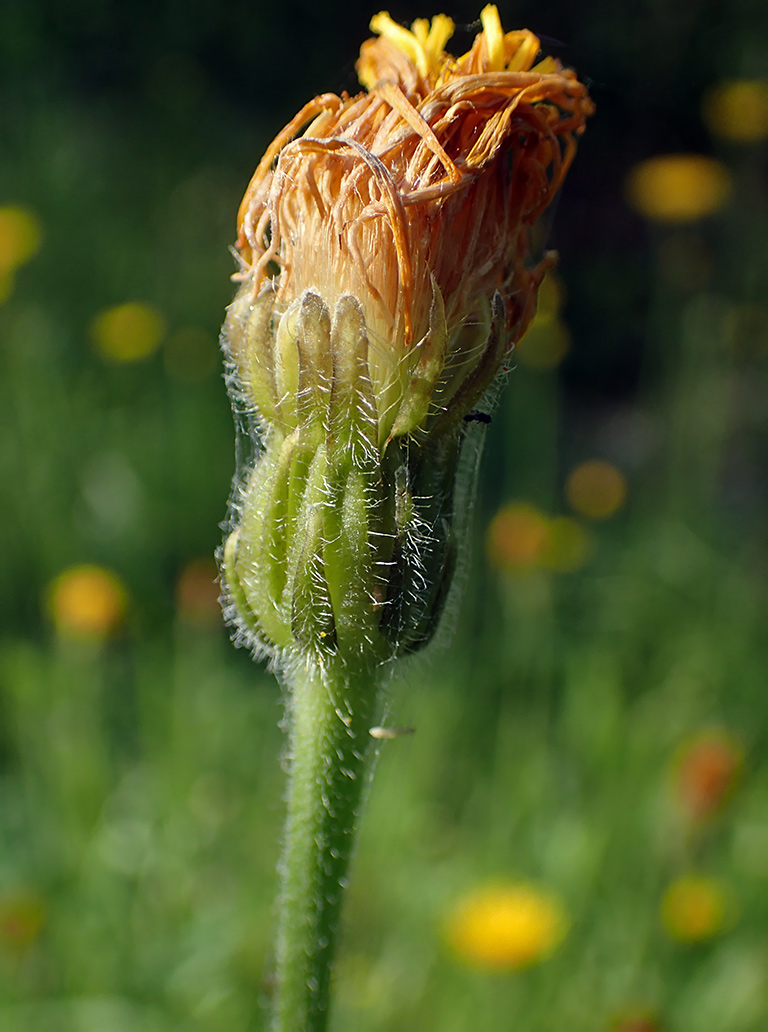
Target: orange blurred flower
[678,187]
[521,538]
[517,536]
[596,489]
[707,768]
[507,926]
[87,602]
[695,908]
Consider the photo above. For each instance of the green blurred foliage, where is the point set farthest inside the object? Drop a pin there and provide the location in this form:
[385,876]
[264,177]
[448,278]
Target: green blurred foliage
[140,776]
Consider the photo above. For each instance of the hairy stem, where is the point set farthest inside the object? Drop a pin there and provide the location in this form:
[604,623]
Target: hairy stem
[332,707]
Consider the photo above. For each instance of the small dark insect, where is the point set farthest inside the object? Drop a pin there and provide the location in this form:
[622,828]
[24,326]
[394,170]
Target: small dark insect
[477,417]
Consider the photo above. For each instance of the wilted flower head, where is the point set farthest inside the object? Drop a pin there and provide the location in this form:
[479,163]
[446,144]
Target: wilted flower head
[418,198]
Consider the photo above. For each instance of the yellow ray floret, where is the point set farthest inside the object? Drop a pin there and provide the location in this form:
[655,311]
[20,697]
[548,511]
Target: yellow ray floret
[418,44]
[494,37]
[423,46]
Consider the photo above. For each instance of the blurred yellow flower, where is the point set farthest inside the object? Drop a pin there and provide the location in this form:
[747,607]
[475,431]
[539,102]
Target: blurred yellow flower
[197,594]
[737,110]
[507,926]
[22,916]
[707,768]
[517,536]
[694,908]
[87,602]
[20,235]
[129,332]
[596,489]
[567,547]
[678,187]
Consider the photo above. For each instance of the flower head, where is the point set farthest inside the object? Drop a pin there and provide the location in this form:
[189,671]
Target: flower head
[418,198]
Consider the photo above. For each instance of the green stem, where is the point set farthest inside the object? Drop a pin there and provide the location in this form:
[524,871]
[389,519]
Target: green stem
[332,707]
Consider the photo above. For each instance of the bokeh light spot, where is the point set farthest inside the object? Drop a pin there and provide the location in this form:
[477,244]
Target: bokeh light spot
[737,110]
[20,236]
[517,536]
[694,909]
[678,187]
[596,489]
[503,927]
[521,538]
[707,769]
[129,332]
[87,602]
[567,547]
